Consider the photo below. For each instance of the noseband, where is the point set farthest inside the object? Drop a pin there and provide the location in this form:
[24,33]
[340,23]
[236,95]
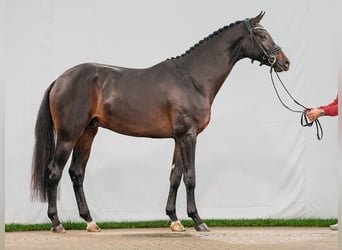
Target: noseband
[272,60]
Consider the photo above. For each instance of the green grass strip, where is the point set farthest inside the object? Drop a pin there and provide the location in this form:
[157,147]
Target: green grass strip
[308,222]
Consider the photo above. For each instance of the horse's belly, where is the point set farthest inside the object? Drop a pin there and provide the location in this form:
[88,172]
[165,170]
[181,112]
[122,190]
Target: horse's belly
[140,129]
[138,123]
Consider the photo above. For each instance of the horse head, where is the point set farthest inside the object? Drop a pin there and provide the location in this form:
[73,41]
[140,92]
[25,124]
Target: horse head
[259,45]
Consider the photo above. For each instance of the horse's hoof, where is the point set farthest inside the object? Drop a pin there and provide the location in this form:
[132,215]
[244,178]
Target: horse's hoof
[176,226]
[93,227]
[58,229]
[202,228]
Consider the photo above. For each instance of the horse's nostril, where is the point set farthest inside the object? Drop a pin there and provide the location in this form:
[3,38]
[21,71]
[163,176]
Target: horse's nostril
[287,63]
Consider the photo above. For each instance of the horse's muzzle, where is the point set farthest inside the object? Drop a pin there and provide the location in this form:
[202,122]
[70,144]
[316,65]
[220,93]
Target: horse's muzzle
[280,62]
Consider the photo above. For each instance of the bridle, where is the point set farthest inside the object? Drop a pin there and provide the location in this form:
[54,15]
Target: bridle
[268,53]
[268,56]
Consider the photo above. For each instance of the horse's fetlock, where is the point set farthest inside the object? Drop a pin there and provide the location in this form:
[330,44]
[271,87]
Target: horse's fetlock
[84,213]
[170,211]
[52,214]
[192,213]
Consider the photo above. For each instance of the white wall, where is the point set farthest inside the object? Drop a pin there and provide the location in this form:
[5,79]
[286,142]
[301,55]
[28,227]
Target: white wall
[253,161]
[2,129]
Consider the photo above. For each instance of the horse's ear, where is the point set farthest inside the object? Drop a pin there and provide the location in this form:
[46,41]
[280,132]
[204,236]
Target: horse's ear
[257,19]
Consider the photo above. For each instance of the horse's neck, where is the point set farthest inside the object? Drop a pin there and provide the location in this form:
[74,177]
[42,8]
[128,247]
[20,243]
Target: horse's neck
[209,65]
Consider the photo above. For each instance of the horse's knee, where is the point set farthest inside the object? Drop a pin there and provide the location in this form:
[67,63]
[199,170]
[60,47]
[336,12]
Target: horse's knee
[189,181]
[175,182]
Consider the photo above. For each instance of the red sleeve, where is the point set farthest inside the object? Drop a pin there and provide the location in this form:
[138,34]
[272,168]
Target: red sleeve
[331,109]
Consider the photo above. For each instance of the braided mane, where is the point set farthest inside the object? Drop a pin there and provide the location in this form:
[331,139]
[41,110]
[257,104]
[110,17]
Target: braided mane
[214,34]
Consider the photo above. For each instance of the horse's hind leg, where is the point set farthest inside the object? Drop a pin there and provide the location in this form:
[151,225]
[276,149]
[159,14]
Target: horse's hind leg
[77,171]
[54,174]
[175,179]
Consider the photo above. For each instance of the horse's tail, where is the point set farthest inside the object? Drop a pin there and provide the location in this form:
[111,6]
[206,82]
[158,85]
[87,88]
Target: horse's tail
[44,148]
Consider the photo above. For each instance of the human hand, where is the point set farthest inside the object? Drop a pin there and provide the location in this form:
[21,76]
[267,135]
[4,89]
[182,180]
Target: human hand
[313,114]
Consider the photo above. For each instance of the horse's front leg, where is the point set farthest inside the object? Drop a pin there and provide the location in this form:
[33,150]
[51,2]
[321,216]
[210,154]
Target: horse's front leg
[175,179]
[187,144]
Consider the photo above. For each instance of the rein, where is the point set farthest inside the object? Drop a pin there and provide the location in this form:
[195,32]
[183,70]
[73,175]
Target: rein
[303,119]
[272,60]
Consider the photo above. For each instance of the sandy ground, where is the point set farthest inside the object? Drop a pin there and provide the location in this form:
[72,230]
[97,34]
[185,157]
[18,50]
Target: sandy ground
[228,238]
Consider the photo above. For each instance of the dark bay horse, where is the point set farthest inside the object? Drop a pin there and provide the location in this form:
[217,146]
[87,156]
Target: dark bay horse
[171,99]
